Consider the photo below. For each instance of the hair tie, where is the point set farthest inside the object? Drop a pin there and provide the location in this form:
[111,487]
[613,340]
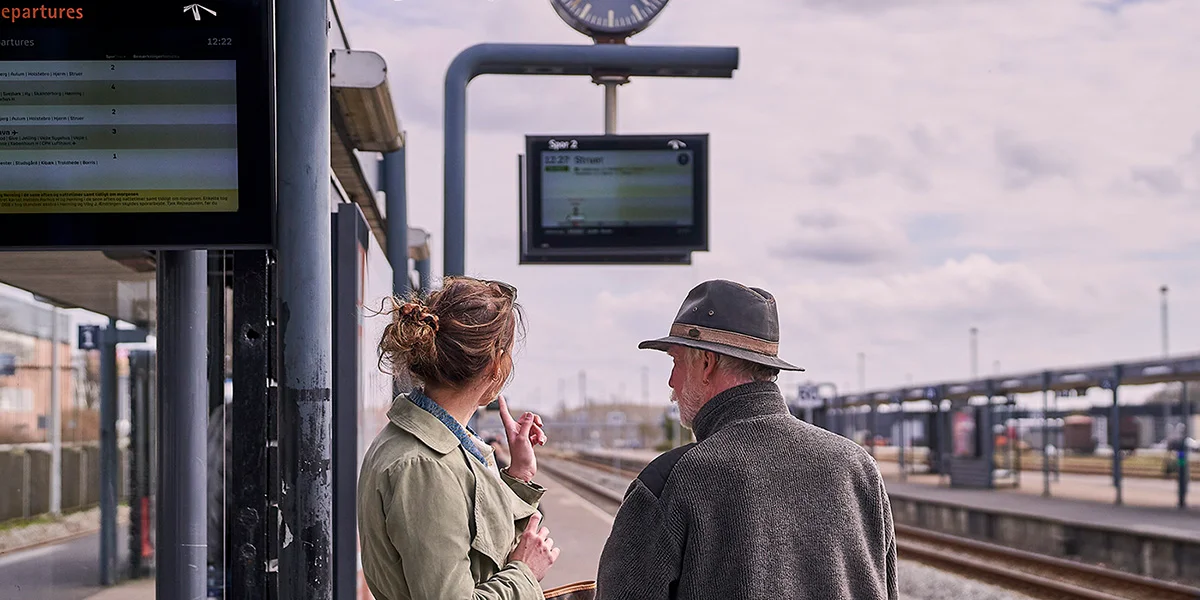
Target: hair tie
[408,308]
[431,320]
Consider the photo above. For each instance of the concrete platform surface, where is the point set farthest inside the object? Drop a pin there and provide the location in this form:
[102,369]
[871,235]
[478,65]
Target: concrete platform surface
[577,526]
[140,589]
[1158,522]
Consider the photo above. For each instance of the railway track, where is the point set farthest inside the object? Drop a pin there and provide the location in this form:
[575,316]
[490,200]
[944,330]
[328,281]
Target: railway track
[1033,574]
[1029,573]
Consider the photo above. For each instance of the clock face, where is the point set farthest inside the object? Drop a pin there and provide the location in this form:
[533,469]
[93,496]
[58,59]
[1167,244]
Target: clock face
[608,18]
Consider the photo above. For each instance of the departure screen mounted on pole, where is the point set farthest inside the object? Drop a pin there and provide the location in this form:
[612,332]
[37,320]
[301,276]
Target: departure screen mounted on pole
[136,124]
[615,198]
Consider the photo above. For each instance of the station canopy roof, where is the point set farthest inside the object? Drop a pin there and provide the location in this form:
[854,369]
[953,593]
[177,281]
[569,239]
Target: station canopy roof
[1134,372]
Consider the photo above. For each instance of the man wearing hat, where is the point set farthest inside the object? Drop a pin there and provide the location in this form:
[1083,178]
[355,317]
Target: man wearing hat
[763,505]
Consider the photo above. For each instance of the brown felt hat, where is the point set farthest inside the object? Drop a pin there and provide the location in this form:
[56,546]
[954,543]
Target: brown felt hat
[727,318]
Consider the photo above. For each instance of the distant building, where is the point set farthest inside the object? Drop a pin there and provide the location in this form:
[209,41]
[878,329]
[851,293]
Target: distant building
[25,360]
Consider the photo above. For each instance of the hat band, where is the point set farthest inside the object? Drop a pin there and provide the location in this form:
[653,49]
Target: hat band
[728,338]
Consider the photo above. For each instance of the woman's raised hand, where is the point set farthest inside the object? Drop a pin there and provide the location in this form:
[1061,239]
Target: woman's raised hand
[522,436]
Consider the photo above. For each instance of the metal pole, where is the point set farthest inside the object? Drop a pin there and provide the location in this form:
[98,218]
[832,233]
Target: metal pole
[305,302]
[541,59]
[974,352]
[216,329]
[583,390]
[183,458]
[610,107]
[1163,291]
[352,237]
[862,372]
[1185,458]
[395,190]
[252,430]
[1058,439]
[1115,441]
[900,437]
[423,275]
[1166,353]
[1046,435]
[108,454]
[55,417]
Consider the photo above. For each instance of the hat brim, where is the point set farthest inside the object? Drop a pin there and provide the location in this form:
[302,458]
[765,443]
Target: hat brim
[664,344]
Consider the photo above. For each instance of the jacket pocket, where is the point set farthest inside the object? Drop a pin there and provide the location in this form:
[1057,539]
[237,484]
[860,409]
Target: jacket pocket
[495,517]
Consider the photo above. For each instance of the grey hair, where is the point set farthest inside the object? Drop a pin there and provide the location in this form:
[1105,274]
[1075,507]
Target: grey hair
[739,368]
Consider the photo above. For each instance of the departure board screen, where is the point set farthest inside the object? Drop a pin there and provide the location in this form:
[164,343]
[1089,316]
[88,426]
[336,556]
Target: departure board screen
[144,124]
[633,195]
[613,188]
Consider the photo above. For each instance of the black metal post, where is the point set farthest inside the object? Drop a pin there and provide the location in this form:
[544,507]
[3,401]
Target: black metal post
[352,235]
[1015,442]
[141,450]
[109,469]
[1185,458]
[1046,434]
[249,545]
[900,438]
[183,329]
[1115,437]
[216,329]
[395,189]
[305,282]
[423,277]
[871,427]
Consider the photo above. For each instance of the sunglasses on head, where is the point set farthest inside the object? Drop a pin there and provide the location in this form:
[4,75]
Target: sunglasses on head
[507,289]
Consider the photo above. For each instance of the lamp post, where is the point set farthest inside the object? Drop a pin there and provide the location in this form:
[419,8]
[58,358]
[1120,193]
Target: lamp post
[974,352]
[862,379]
[1162,291]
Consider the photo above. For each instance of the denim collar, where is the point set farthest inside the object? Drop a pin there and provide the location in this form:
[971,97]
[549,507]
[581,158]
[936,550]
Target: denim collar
[417,396]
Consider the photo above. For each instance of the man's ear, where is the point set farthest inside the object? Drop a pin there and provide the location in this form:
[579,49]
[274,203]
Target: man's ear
[708,366]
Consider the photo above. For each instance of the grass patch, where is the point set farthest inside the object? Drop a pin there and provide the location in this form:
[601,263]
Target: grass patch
[12,524]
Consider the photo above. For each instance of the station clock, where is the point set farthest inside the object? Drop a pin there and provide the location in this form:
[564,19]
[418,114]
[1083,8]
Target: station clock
[608,20]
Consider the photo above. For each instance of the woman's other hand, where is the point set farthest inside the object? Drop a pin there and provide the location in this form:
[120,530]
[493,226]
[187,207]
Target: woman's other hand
[535,548]
[522,436]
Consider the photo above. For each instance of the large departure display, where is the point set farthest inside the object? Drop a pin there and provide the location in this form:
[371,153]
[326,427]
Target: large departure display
[641,197]
[138,124]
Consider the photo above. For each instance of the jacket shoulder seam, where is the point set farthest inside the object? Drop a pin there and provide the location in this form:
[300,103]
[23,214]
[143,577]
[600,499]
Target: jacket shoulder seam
[658,472]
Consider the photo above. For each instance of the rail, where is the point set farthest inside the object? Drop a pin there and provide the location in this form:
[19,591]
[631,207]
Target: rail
[1036,574]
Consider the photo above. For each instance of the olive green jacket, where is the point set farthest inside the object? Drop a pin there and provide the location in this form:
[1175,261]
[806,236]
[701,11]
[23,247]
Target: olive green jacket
[433,522]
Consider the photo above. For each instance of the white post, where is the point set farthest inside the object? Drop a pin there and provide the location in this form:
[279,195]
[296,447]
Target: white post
[55,419]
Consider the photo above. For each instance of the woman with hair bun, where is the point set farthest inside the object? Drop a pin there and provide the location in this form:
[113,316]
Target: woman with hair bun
[437,519]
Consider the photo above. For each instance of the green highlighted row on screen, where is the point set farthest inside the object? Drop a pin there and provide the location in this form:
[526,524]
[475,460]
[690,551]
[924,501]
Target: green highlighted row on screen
[118,201]
[119,137]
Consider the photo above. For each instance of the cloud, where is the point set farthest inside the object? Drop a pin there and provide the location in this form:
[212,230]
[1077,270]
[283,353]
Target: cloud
[1182,177]
[1024,163]
[896,172]
[838,237]
[867,156]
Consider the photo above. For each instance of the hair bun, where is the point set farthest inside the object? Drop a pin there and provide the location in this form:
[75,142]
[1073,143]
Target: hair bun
[431,320]
[415,312]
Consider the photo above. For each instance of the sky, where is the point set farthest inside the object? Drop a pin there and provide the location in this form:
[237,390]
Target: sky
[895,172]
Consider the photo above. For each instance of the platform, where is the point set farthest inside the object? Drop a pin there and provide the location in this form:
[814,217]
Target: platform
[1147,503]
[1157,541]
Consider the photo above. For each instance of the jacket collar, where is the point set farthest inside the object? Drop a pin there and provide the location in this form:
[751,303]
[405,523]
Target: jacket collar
[738,403]
[419,422]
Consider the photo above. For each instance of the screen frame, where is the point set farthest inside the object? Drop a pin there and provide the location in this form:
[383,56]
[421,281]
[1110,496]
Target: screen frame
[253,225]
[648,248]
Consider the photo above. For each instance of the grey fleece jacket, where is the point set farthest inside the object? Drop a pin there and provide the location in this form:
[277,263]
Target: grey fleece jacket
[762,506]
